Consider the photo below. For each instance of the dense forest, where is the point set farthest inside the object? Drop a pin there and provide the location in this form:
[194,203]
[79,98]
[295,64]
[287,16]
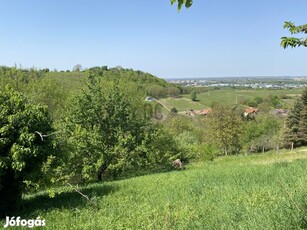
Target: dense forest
[95,125]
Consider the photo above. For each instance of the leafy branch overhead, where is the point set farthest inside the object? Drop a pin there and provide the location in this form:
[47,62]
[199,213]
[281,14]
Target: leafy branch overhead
[293,41]
[186,3]
[285,41]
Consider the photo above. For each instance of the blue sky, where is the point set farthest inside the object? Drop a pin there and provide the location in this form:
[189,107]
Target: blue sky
[211,39]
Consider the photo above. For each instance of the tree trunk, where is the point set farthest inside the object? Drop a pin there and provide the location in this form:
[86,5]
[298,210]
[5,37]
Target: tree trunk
[100,171]
[10,193]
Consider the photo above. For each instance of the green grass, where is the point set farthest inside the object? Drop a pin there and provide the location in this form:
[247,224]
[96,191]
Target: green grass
[230,97]
[226,97]
[266,191]
[181,104]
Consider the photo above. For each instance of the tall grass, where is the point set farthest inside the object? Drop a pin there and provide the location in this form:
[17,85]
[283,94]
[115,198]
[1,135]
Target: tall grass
[240,192]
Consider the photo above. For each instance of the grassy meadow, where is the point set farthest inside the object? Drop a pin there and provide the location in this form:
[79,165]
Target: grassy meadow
[235,96]
[267,191]
[227,97]
[181,104]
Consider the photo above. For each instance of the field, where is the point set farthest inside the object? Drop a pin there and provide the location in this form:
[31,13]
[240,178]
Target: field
[226,96]
[181,104]
[267,191]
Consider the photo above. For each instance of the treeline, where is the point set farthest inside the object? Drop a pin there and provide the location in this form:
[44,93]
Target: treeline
[150,84]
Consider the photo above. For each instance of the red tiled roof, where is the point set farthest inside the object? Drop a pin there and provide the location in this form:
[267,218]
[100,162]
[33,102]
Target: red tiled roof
[199,112]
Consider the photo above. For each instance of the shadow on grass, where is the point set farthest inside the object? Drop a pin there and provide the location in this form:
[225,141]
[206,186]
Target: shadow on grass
[303,222]
[65,200]
[140,173]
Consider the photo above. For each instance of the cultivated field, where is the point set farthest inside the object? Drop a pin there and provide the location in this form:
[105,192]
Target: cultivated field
[267,191]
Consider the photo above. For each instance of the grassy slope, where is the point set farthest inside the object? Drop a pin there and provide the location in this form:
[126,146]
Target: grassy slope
[240,192]
[181,104]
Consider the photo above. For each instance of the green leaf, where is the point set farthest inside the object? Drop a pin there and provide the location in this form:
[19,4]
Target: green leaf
[187,3]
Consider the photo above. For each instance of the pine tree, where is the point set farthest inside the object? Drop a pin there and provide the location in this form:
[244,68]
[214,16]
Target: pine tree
[304,97]
[296,134]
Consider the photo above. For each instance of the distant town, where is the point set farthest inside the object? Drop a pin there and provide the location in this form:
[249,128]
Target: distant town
[244,82]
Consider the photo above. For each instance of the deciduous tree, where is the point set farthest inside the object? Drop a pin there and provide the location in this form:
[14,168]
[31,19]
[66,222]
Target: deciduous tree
[23,150]
[261,134]
[109,136]
[77,68]
[226,129]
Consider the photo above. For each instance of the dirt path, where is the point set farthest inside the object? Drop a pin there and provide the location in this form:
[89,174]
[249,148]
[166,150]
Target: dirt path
[163,105]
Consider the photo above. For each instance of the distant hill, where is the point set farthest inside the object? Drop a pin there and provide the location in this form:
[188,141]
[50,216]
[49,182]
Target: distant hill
[136,76]
[150,84]
[147,83]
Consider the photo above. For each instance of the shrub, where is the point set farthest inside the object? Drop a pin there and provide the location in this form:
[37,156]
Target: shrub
[193,95]
[174,110]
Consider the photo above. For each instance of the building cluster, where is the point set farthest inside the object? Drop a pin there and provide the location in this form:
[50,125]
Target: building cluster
[248,112]
[244,82]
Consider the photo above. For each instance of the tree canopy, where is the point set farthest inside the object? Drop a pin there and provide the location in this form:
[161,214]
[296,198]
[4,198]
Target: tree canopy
[294,41]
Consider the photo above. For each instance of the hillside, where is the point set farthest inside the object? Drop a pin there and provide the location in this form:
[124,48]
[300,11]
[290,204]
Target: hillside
[148,83]
[237,192]
[55,88]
